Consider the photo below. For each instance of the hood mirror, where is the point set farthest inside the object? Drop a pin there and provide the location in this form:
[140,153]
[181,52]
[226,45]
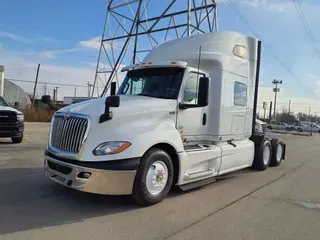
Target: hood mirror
[111,101]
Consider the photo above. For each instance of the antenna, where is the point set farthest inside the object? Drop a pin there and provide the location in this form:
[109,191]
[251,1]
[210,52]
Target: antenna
[199,60]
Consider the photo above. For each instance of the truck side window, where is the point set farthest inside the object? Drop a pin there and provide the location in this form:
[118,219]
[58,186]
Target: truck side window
[240,94]
[190,94]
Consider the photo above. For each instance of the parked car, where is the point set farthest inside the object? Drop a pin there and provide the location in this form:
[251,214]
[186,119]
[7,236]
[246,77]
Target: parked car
[300,127]
[278,126]
[313,128]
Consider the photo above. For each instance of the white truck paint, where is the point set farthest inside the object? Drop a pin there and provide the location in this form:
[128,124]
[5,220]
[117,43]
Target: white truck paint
[166,126]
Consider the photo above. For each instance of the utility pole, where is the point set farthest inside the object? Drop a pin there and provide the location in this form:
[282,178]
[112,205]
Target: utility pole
[89,88]
[35,85]
[270,112]
[264,110]
[54,94]
[57,94]
[275,90]
[311,124]
[309,114]
[289,107]
[1,80]
[75,91]
[45,88]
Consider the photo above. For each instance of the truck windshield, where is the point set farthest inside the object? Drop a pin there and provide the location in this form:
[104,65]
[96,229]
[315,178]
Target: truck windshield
[3,102]
[153,82]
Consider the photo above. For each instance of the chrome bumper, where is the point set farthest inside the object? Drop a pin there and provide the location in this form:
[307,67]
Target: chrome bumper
[105,182]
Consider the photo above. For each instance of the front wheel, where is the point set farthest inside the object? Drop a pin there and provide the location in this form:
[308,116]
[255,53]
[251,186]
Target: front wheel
[17,139]
[154,178]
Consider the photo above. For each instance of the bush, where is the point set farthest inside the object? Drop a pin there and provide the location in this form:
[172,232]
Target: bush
[38,115]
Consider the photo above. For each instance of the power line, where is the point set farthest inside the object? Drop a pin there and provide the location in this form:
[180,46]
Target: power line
[48,83]
[306,26]
[18,69]
[268,47]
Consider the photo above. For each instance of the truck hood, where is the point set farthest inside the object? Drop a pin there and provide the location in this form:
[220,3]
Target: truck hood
[259,121]
[136,119]
[2,108]
[130,106]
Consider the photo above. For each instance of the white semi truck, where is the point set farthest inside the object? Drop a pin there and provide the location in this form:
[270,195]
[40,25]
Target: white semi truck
[182,117]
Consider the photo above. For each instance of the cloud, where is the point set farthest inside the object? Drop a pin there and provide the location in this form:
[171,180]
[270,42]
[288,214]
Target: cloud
[95,42]
[17,38]
[47,54]
[12,36]
[48,39]
[314,78]
[91,43]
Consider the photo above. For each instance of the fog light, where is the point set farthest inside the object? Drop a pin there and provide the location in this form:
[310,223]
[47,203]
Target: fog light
[84,175]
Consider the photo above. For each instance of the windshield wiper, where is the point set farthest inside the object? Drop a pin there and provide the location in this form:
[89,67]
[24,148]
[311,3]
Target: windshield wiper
[148,95]
[145,95]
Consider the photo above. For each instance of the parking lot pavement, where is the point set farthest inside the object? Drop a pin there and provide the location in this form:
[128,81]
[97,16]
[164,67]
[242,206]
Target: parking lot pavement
[241,205]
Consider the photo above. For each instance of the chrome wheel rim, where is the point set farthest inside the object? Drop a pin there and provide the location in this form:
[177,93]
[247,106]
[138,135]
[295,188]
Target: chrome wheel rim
[157,178]
[279,152]
[266,155]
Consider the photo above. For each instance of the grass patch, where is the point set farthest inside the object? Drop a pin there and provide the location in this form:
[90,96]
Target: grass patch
[38,115]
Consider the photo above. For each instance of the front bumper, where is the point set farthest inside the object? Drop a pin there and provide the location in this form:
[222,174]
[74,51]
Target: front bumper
[101,181]
[11,130]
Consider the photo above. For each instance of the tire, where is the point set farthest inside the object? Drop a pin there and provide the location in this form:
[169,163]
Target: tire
[299,129]
[288,129]
[277,152]
[261,159]
[269,127]
[144,192]
[17,139]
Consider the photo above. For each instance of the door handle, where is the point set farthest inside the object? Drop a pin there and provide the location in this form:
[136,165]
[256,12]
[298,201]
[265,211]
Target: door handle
[204,119]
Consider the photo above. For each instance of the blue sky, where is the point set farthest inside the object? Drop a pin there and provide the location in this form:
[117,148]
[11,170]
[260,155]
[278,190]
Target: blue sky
[64,37]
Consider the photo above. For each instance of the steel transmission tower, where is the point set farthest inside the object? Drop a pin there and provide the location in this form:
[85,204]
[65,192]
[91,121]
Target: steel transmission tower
[133,27]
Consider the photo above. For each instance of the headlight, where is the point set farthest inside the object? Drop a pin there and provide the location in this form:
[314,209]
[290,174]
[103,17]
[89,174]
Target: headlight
[20,117]
[109,148]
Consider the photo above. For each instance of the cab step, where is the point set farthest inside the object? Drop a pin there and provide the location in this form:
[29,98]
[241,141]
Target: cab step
[192,185]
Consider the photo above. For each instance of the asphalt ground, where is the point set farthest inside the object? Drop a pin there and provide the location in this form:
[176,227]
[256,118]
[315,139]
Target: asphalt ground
[279,203]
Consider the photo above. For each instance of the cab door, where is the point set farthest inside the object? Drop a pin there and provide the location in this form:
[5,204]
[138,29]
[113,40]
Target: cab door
[192,121]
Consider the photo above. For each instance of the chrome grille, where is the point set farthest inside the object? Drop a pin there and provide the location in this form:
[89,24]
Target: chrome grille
[264,128]
[67,134]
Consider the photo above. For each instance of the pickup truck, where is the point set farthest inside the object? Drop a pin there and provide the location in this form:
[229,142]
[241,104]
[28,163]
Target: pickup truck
[11,122]
[278,126]
[260,127]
